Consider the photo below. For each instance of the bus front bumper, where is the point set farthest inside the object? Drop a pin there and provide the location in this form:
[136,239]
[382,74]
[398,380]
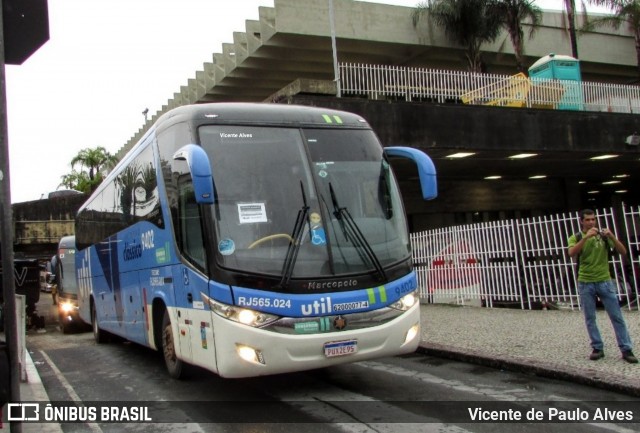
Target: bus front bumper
[243,351]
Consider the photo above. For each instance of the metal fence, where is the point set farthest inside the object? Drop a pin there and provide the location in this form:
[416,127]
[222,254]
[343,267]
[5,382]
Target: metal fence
[520,262]
[419,84]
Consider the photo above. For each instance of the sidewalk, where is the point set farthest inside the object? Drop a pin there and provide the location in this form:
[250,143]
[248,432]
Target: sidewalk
[33,390]
[550,343]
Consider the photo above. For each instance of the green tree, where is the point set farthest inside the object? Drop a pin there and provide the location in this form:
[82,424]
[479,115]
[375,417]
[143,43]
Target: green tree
[623,12]
[94,164]
[514,13]
[76,180]
[469,23]
[96,160]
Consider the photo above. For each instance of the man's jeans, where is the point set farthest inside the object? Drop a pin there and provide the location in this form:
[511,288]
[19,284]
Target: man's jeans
[606,291]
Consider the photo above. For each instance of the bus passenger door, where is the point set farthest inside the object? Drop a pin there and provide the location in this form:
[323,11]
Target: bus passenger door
[182,315]
[192,173]
[193,316]
[194,321]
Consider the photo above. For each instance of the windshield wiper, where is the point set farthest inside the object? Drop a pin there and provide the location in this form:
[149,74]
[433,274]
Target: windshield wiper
[294,247]
[353,232]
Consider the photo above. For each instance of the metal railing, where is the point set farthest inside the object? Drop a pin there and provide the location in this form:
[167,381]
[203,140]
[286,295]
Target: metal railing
[522,262]
[442,86]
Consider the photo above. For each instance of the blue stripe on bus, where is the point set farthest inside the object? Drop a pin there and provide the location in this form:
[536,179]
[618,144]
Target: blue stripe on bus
[321,304]
[221,292]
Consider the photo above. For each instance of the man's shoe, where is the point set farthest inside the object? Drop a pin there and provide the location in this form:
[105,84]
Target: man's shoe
[629,357]
[596,354]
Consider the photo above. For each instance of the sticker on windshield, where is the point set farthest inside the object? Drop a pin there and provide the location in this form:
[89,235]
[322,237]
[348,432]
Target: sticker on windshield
[250,213]
[226,247]
[318,236]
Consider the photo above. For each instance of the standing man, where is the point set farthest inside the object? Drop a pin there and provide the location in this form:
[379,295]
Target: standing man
[591,248]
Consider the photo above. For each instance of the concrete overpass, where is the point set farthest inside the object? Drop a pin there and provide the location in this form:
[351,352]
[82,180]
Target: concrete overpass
[286,56]
[292,40]
[38,225]
[290,44]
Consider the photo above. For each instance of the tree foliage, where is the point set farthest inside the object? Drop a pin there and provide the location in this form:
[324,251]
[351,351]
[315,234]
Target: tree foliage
[472,23]
[514,13]
[625,12]
[469,23]
[94,165]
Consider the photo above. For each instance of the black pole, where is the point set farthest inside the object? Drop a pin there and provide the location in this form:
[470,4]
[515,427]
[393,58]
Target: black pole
[6,240]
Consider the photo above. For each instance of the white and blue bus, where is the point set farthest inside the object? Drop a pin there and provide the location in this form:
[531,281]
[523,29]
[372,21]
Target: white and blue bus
[253,239]
[67,286]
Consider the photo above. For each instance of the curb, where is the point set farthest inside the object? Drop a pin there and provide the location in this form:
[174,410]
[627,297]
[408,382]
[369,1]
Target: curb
[533,366]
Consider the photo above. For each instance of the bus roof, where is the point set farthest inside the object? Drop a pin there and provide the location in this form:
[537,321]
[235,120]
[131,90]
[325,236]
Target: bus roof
[261,114]
[241,113]
[67,242]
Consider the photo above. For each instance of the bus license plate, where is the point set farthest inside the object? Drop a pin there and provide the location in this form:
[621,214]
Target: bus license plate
[340,348]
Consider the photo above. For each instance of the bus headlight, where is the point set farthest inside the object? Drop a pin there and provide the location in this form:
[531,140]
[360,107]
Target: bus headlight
[406,302]
[256,319]
[66,307]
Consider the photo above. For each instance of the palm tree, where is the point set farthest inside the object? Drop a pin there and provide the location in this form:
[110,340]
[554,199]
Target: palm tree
[76,180]
[570,8]
[97,160]
[469,23]
[623,12]
[514,13]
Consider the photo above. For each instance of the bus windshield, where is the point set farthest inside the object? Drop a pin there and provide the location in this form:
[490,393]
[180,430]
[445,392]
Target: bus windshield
[331,189]
[67,270]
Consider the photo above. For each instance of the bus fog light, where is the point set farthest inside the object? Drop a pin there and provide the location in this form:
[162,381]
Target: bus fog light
[411,333]
[250,354]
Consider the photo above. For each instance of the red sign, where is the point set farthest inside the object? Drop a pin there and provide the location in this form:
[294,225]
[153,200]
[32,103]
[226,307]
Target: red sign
[455,267]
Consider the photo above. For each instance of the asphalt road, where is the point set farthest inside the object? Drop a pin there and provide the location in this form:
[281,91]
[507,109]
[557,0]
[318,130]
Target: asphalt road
[414,393]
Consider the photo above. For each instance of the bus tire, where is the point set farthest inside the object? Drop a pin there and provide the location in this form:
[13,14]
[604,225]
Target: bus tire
[98,334]
[175,366]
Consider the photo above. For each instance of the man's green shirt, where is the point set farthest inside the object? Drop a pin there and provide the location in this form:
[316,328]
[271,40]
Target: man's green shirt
[594,258]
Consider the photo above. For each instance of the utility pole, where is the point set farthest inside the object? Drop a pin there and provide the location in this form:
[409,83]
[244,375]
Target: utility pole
[6,240]
[24,27]
[334,50]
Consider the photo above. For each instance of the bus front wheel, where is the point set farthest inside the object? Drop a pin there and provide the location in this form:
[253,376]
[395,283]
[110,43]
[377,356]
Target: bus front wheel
[175,367]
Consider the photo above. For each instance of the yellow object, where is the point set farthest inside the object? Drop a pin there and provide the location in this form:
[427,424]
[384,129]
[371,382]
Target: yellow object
[314,218]
[510,92]
[517,91]
[270,238]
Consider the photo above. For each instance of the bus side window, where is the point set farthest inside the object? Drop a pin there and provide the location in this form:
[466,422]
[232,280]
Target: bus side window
[190,240]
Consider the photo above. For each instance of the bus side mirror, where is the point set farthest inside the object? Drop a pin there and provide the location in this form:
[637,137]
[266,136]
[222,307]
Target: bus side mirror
[201,173]
[426,169]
